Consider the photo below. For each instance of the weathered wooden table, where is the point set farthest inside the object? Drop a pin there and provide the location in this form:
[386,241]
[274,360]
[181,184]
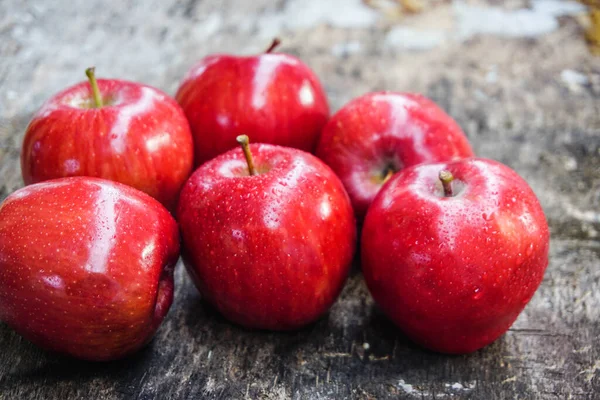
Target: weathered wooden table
[527,93]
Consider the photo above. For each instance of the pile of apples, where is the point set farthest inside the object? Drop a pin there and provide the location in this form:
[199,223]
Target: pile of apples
[452,247]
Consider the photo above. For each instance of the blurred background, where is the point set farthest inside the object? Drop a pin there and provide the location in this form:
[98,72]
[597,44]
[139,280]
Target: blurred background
[520,77]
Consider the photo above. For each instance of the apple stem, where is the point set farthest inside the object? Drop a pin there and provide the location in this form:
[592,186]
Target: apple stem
[388,175]
[94,84]
[244,141]
[274,44]
[446,177]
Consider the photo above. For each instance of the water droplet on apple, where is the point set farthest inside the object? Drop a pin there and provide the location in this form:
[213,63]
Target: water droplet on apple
[488,217]
[519,259]
[477,293]
[530,250]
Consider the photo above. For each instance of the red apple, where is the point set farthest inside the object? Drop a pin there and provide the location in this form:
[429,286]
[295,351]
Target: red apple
[270,250]
[381,133]
[86,266]
[117,130]
[274,98]
[454,263]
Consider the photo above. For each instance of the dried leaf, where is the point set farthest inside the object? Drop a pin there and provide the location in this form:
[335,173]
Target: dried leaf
[412,6]
[593,32]
[397,8]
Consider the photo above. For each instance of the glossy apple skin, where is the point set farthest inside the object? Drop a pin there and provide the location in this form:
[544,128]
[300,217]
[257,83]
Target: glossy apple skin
[140,138]
[387,130]
[273,98]
[270,251]
[454,273]
[86,266]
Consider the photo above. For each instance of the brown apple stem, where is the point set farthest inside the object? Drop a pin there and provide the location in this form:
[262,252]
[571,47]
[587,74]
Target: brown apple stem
[244,141]
[95,91]
[274,44]
[446,177]
[388,175]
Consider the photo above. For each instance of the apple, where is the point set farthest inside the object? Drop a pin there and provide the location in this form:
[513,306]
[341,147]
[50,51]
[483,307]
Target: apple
[381,133]
[112,129]
[452,252]
[86,266]
[273,98]
[268,241]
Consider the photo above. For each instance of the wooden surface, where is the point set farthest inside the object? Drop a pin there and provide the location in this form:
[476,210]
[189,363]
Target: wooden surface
[513,98]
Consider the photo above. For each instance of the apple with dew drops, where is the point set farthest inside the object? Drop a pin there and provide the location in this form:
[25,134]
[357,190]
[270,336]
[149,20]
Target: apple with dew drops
[112,129]
[378,134]
[452,252]
[273,97]
[86,266]
[268,235]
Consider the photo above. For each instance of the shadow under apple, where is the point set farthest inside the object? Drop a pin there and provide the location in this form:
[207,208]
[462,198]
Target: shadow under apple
[35,365]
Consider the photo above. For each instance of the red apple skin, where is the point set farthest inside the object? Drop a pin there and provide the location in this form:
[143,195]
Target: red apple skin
[140,138]
[384,130]
[272,98]
[270,251]
[455,272]
[86,266]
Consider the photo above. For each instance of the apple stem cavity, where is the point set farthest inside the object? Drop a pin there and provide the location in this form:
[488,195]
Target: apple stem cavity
[446,177]
[94,84]
[274,44]
[244,141]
